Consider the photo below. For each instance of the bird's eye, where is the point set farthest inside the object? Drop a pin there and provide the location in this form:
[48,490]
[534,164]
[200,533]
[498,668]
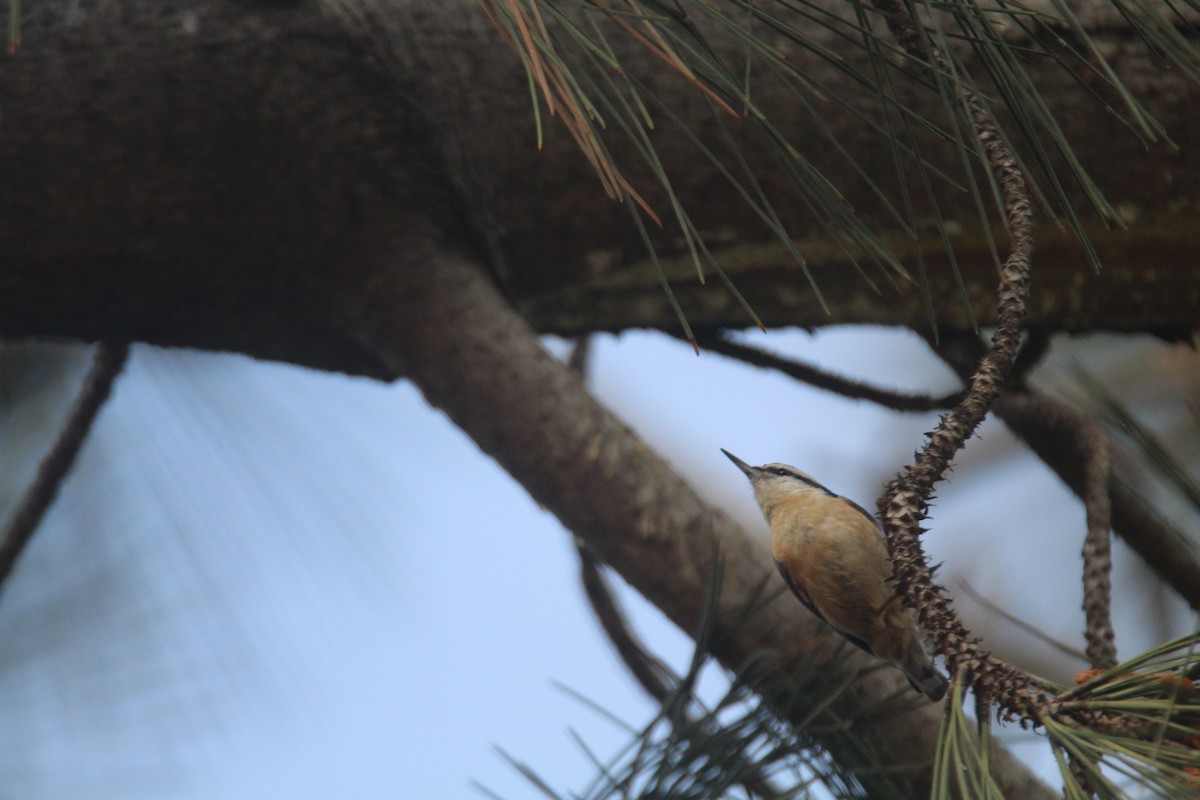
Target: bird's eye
[781,471]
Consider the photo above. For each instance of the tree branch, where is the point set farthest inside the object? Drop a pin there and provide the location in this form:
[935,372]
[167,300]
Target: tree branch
[1164,548]
[432,316]
[1095,466]
[819,378]
[107,363]
[189,189]
[650,672]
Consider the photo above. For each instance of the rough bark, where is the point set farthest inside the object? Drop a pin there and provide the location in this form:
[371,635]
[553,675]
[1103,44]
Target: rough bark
[181,173]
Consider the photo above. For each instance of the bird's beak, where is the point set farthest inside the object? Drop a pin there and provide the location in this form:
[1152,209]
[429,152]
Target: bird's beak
[742,465]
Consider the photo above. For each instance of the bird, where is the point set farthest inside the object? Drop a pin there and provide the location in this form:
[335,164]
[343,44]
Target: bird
[832,555]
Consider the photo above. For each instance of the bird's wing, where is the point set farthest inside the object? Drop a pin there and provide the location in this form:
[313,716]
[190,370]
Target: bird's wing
[803,597]
[874,520]
[796,590]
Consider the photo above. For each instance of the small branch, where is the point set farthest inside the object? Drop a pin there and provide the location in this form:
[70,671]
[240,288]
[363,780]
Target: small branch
[905,501]
[654,676]
[1166,549]
[1037,344]
[895,400]
[650,672]
[1067,442]
[1093,447]
[107,363]
[580,357]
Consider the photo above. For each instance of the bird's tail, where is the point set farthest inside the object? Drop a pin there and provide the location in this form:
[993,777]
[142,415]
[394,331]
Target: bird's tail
[918,668]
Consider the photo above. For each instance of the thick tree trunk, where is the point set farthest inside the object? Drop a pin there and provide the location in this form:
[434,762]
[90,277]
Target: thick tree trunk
[182,173]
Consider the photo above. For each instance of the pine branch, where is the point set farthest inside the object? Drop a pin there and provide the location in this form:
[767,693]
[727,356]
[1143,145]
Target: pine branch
[1043,424]
[906,499]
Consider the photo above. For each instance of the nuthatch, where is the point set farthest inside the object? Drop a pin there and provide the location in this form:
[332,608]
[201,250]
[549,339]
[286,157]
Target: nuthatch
[832,555]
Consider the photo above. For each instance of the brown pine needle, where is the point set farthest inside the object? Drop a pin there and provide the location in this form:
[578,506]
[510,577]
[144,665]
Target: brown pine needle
[562,99]
[665,53]
[536,63]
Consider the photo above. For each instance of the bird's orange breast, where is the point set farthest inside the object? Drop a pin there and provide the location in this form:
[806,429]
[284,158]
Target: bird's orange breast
[836,557]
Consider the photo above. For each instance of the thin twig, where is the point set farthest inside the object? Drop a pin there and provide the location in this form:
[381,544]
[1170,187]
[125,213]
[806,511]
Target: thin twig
[1166,549]
[654,676]
[1093,447]
[580,357]
[107,363]
[1003,613]
[819,378]
[650,672]
[1037,344]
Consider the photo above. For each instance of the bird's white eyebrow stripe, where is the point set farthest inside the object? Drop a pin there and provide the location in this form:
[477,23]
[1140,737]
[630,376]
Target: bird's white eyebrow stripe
[806,479]
[813,483]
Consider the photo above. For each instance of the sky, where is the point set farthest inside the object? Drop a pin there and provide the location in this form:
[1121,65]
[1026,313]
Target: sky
[266,581]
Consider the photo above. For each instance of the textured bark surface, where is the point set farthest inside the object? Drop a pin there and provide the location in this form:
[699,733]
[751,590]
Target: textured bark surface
[184,173]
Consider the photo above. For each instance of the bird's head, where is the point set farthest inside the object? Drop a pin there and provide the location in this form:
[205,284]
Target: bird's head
[775,484]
